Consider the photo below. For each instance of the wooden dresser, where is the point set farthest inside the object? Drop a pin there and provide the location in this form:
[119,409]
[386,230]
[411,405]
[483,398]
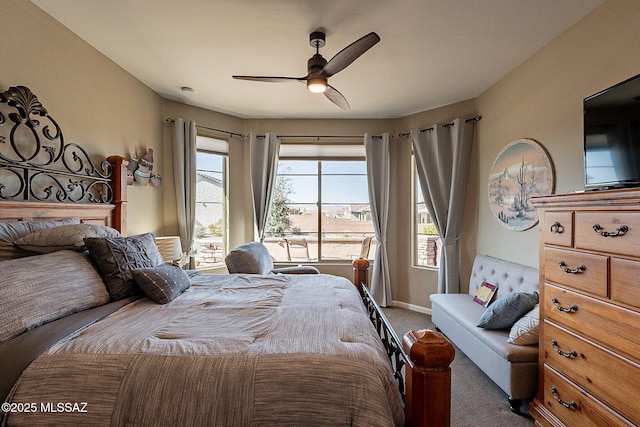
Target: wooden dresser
[589,365]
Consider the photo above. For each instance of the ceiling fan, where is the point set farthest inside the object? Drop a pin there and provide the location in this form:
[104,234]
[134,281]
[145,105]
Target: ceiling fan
[319,70]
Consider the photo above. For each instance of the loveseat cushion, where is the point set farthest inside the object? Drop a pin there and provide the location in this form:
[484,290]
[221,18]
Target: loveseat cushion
[509,277]
[461,309]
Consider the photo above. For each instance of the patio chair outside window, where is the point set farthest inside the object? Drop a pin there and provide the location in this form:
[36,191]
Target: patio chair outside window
[365,248]
[297,249]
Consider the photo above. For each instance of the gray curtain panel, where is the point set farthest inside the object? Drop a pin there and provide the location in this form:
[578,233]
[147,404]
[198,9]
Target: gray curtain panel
[378,171]
[442,156]
[263,161]
[184,174]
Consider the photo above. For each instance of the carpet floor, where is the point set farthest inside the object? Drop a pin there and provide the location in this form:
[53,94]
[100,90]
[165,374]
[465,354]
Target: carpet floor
[475,400]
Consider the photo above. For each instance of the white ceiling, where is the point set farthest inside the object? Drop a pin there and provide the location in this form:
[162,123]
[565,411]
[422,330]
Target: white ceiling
[432,52]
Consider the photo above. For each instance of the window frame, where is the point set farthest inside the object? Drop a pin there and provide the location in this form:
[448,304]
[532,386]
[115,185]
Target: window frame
[224,153]
[414,220]
[319,200]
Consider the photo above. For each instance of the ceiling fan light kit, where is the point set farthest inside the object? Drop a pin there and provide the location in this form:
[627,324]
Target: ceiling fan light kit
[319,70]
[317,85]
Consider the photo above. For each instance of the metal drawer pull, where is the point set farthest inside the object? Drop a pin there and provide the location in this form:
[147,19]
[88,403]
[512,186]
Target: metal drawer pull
[620,231]
[573,307]
[568,355]
[557,228]
[581,268]
[569,405]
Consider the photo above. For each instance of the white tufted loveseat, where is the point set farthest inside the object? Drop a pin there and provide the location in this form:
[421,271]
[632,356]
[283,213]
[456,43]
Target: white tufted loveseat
[512,367]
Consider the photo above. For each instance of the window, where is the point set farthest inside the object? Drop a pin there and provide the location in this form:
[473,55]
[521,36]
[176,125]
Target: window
[320,211]
[426,242]
[211,201]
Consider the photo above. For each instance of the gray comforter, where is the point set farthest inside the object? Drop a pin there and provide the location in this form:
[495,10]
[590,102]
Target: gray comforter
[233,350]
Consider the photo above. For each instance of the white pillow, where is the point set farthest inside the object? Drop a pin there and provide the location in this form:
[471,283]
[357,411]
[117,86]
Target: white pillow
[525,330]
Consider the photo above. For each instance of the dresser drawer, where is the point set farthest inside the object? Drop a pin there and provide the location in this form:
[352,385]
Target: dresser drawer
[573,406]
[558,228]
[610,224]
[625,281]
[609,377]
[613,326]
[579,270]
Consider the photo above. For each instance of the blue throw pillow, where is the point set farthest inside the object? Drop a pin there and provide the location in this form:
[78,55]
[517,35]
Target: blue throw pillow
[506,310]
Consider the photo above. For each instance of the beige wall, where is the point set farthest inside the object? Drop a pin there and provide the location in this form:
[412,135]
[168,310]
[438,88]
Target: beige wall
[542,100]
[106,110]
[96,103]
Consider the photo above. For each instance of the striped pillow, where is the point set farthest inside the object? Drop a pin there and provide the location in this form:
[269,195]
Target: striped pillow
[12,230]
[42,288]
[63,237]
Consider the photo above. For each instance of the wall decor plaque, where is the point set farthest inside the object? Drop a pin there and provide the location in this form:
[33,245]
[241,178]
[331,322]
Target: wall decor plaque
[523,169]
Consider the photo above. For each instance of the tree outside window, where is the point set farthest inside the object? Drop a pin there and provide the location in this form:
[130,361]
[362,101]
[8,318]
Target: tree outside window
[320,211]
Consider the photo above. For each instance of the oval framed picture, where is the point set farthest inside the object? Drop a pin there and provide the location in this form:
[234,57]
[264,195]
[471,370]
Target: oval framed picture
[523,169]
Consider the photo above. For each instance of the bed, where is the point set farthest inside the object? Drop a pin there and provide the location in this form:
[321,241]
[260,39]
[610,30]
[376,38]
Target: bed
[117,337]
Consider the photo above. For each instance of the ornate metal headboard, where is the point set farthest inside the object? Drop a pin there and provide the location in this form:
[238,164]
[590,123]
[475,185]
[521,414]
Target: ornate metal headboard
[47,175]
[36,164]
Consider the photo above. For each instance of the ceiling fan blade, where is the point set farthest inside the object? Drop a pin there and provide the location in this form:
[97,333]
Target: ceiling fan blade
[271,79]
[349,54]
[337,98]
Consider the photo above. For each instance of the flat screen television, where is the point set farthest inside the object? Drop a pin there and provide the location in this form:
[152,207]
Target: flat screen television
[612,137]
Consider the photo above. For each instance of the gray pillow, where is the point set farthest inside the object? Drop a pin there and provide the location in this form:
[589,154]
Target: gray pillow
[162,283]
[12,230]
[506,310]
[63,237]
[249,258]
[117,257]
[42,288]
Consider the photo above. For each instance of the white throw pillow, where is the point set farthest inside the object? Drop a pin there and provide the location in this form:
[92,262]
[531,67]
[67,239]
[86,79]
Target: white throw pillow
[525,330]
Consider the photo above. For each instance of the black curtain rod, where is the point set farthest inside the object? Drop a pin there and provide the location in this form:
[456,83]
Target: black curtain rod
[315,136]
[473,119]
[171,121]
[318,137]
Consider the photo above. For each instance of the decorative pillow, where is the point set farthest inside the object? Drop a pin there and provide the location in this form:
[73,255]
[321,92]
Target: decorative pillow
[12,230]
[525,330]
[42,288]
[63,237]
[162,283]
[506,310]
[249,258]
[117,257]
